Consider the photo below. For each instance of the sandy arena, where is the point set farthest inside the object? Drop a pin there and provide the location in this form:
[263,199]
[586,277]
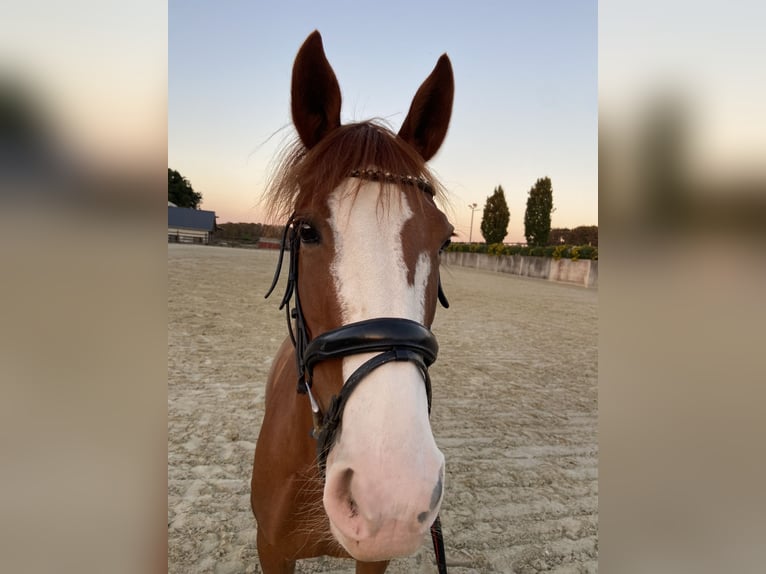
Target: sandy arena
[514,411]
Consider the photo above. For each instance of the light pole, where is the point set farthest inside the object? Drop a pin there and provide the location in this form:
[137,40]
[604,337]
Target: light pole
[473,207]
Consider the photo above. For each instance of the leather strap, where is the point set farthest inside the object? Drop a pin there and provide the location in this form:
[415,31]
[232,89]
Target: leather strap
[332,418]
[372,336]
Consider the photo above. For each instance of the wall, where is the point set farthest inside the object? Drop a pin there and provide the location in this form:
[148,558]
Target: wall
[581,272]
[187,235]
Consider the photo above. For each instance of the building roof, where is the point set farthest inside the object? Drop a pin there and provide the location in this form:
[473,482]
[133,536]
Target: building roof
[191,218]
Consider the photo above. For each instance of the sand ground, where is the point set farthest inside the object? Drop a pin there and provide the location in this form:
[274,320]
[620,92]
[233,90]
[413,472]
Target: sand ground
[514,411]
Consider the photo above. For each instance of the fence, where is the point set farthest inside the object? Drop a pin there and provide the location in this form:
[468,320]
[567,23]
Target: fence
[580,272]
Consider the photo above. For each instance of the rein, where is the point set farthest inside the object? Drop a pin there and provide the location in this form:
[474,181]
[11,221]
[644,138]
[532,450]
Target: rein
[395,339]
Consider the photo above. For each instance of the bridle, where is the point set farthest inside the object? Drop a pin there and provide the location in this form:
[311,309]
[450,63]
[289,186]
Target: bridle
[394,338]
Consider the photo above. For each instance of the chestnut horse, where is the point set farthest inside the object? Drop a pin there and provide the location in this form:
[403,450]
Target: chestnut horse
[347,466]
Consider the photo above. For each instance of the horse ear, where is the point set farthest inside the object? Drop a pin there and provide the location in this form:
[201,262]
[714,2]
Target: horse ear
[315,93]
[426,123]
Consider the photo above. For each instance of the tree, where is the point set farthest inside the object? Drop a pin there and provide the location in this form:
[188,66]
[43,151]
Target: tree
[181,192]
[585,235]
[582,235]
[537,218]
[494,221]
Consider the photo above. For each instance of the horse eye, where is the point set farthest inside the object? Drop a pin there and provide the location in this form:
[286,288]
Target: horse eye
[307,233]
[445,245]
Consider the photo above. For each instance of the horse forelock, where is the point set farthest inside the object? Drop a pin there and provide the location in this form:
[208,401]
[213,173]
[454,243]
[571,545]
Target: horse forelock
[305,178]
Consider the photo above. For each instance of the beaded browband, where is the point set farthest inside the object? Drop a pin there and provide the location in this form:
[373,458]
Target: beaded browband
[380,175]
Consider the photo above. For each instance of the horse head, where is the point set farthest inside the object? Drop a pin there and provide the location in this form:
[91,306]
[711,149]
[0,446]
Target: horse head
[369,233]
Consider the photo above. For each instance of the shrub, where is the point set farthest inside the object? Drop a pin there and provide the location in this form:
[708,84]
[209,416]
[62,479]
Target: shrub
[588,252]
[560,251]
[458,247]
[495,248]
[573,252]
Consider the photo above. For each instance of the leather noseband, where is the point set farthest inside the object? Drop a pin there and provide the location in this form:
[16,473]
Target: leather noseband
[394,338]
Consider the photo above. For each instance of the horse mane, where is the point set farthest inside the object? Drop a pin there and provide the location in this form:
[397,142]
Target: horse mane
[307,177]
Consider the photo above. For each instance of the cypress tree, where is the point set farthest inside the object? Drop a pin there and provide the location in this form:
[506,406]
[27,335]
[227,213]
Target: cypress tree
[494,221]
[537,218]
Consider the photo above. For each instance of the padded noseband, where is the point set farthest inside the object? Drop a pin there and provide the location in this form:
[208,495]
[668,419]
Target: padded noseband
[395,339]
[371,336]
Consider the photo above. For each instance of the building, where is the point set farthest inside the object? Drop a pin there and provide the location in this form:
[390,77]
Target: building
[186,225]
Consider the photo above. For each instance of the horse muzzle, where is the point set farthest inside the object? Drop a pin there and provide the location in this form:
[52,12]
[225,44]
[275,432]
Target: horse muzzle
[376,518]
[384,477]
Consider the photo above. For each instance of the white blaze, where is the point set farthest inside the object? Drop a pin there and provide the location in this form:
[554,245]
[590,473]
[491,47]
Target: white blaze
[369,268]
[386,435]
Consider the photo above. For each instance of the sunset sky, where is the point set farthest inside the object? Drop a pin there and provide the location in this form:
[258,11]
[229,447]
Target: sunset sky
[525,95]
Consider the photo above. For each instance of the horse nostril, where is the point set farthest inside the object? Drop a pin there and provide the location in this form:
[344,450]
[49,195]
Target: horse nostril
[436,495]
[344,492]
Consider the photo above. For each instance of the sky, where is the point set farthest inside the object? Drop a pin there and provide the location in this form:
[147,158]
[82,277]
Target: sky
[525,95]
